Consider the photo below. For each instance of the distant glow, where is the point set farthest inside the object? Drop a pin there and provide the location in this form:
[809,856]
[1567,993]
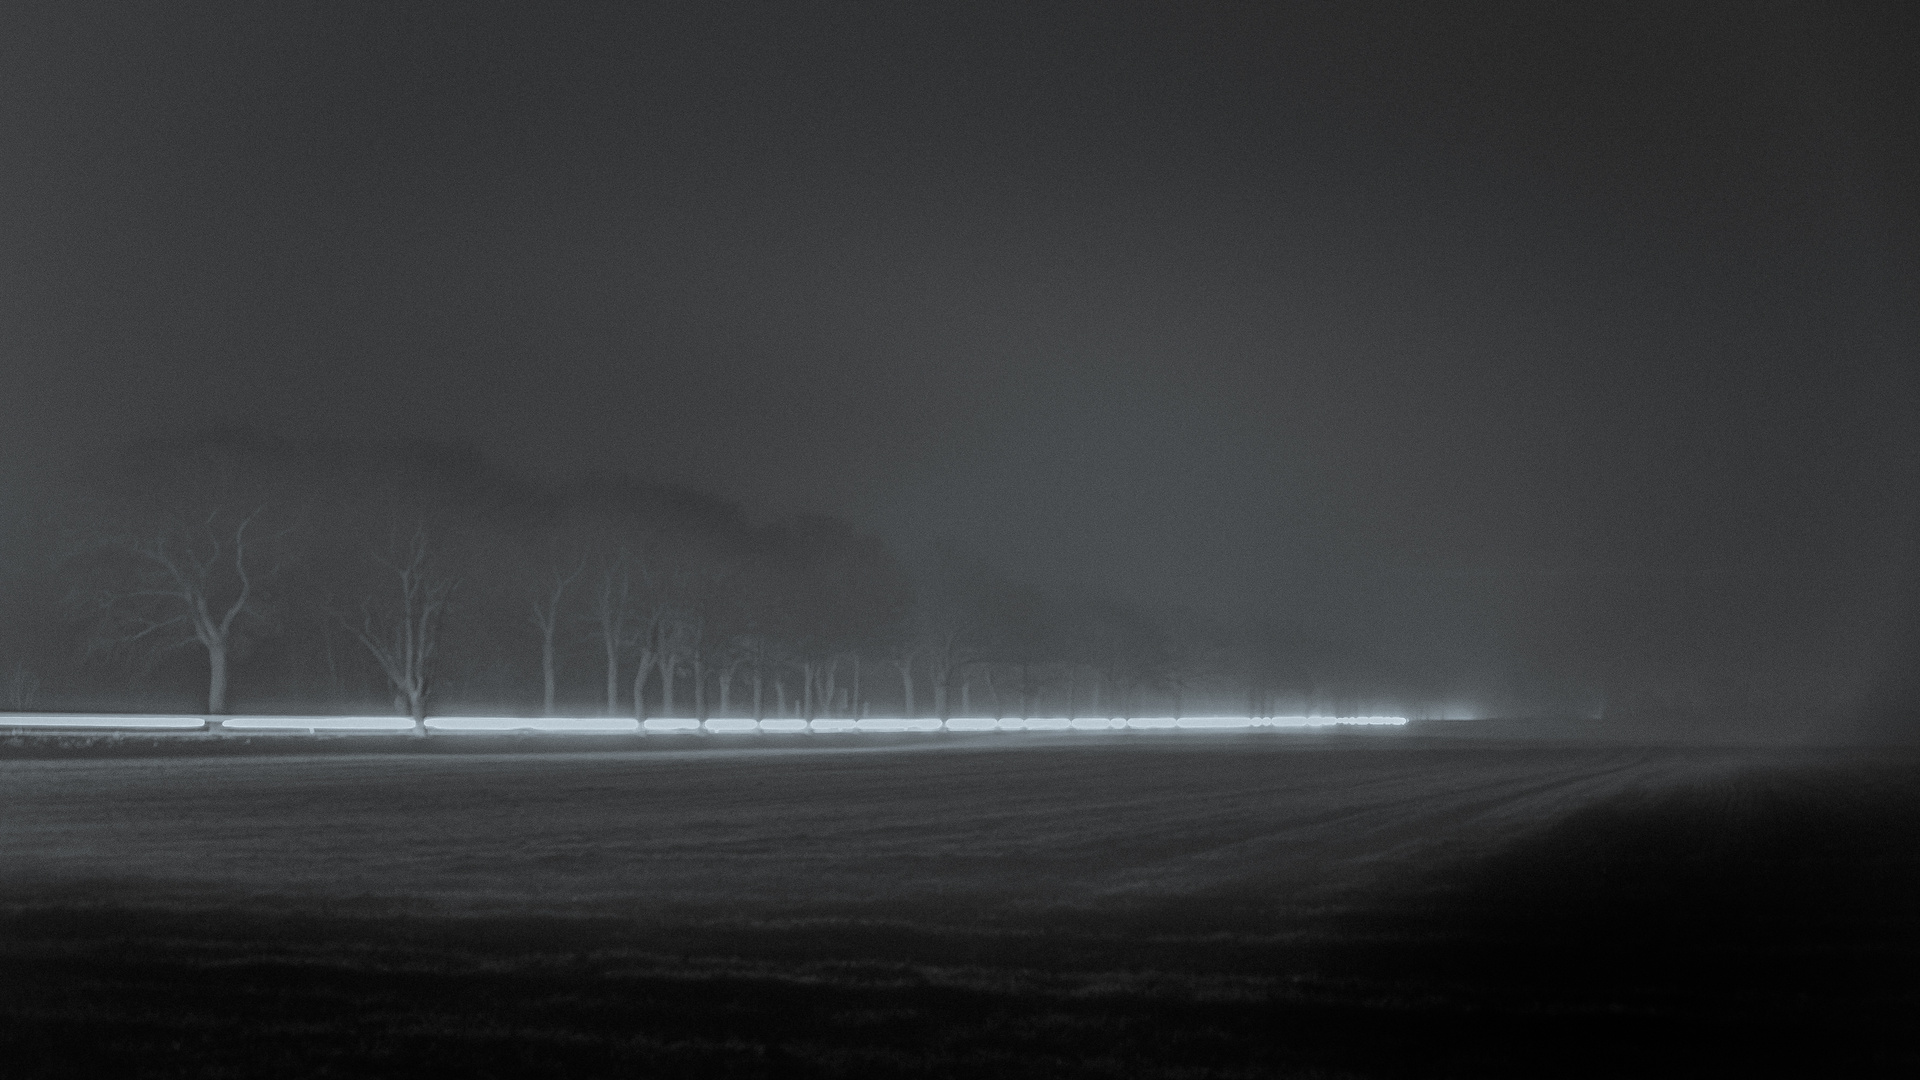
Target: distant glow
[962,723]
[894,724]
[834,726]
[1150,723]
[317,723]
[731,726]
[783,726]
[663,726]
[81,720]
[1086,723]
[597,725]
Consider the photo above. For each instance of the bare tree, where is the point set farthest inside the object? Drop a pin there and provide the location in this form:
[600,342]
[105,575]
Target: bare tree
[546,620]
[187,581]
[729,663]
[902,661]
[816,687]
[670,644]
[612,612]
[627,614]
[403,632]
[947,645]
[761,655]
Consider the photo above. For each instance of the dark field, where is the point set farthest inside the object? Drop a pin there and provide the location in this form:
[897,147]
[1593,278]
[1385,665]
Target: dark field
[1006,906]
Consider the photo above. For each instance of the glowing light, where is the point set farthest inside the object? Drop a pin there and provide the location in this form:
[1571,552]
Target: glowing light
[661,726]
[1151,723]
[317,723]
[783,726]
[598,725]
[1086,723]
[724,726]
[964,723]
[895,724]
[834,726]
[79,720]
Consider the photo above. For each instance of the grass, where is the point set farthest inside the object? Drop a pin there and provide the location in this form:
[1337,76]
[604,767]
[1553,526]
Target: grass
[1240,906]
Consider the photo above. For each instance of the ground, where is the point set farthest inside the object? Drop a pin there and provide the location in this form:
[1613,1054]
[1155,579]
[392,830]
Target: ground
[1232,905]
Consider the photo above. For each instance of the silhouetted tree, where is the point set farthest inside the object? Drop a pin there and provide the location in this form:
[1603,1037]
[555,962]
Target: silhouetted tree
[401,627]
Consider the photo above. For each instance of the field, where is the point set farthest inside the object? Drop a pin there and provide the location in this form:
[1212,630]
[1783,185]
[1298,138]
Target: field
[1004,905]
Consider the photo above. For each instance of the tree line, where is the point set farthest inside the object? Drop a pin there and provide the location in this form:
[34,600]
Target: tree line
[326,575]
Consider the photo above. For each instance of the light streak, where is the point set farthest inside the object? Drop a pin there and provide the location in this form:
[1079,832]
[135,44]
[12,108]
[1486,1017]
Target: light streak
[316,723]
[594,725]
[83,720]
[884,724]
[454,725]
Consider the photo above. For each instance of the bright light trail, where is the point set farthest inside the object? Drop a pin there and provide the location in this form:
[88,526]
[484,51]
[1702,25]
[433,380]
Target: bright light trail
[108,720]
[595,725]
[316,723]
[881,724]
[607,725]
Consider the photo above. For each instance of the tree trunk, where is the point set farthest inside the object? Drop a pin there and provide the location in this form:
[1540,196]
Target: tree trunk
[666,686]
[699,689]
[966,706]
[823,696]
[726,689]
[780,691]
[217,679]
[640,689]
[613,682]
[546,671]
[940,702]
[906,690]
[759,710]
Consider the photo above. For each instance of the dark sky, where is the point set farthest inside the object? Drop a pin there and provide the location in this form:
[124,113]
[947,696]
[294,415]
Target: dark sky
[1565,329]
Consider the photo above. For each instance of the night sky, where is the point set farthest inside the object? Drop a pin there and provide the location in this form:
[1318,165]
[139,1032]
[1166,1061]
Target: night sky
[1516,338]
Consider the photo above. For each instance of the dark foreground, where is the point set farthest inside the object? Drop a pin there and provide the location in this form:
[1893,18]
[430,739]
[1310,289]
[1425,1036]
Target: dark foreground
[1236,907]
